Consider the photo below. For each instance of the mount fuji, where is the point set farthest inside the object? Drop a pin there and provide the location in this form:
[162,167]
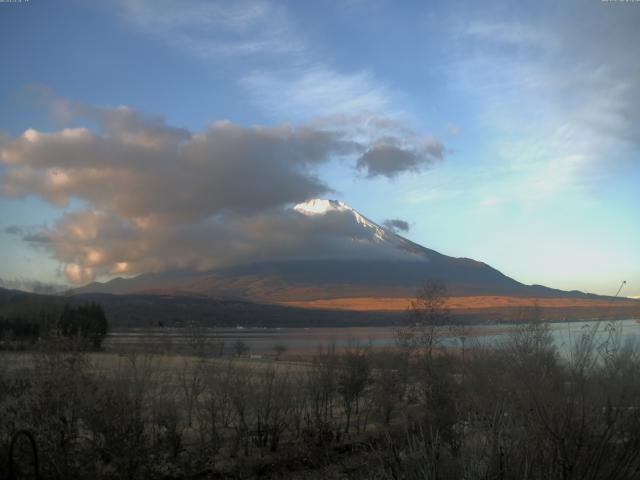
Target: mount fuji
[358,259]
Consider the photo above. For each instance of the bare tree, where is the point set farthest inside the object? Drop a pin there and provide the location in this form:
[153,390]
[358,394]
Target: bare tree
[428,314]
[197,339]
[216,409]
[461,332]
[192,384]
[353,377]
[321,389]
[389,384]
[279,349]
[240,348]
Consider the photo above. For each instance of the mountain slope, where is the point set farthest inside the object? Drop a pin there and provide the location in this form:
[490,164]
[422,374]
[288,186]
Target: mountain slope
[369,261]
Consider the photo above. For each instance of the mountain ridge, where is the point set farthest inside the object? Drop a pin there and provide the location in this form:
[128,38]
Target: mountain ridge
[395,267]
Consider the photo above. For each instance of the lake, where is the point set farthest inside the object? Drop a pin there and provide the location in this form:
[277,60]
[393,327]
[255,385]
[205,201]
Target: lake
[306,340]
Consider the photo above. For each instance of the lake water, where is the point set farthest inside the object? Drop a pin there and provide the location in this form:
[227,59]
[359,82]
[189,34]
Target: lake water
[306,340]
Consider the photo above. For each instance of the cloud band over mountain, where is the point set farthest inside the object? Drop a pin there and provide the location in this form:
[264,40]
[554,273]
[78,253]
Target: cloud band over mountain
[159,197]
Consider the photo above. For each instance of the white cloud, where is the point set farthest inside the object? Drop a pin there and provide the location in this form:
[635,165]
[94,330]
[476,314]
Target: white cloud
[489,202]
[514,32]
[316,91]
[555,95]
[297,85]
[209,29]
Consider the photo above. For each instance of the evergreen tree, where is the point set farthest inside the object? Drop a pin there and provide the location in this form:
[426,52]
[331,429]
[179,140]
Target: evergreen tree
[87,322]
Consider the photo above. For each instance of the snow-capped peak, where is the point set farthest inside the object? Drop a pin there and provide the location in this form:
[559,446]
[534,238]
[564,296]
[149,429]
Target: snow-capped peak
[319,206]
[376,233]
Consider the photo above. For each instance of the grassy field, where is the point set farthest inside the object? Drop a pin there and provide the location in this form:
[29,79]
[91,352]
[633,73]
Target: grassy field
[474,308]
[515,410]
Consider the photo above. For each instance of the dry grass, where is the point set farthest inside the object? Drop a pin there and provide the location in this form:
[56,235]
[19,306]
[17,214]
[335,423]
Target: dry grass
[396,304]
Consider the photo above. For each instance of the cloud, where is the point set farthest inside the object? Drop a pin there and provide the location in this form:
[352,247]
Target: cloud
[209,29]
[281,71]
[556,94]
[490,202]
[34,286]
[387,158]
[157,197]
[396,224]
[453,129]
[315,90]
[513,33]
[139,168]
[92,244]
[13,230]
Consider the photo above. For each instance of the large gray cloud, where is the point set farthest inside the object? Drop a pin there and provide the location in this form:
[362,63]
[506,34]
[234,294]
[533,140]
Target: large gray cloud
[158,197]
[92,244]
[388,158]
[141,169]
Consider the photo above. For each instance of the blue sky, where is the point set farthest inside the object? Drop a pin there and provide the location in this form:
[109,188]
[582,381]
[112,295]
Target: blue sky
[508,133]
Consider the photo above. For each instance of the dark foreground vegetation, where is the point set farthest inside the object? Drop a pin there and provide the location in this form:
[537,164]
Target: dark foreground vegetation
[85,326]
[517,411]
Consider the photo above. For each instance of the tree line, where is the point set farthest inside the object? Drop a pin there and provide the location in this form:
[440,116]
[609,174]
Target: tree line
[86,324]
